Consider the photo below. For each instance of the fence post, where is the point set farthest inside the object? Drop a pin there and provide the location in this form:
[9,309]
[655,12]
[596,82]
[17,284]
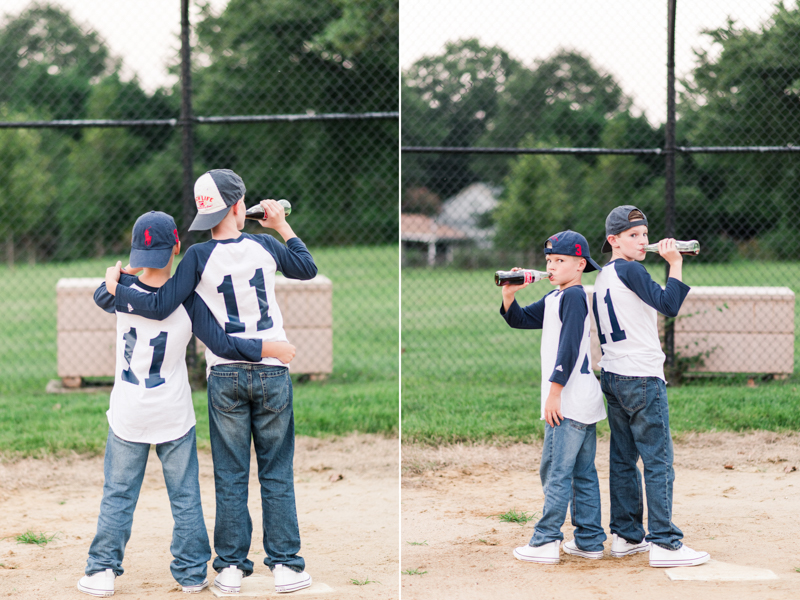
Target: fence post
[187,155]
[669,176]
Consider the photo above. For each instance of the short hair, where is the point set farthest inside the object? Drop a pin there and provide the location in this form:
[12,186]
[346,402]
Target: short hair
[635,215]
[548,244]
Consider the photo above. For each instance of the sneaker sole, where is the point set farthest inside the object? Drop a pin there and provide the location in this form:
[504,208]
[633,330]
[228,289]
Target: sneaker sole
[597,555]
[541,561]
[194,589]
[95,593]
[618,554]
[680,563]
[293,587]
[227,588]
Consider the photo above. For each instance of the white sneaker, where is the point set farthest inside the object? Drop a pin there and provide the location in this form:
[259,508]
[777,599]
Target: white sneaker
[229,580]
[195,589]
[682,557]
[100,584]
[621,547]
[287,580]
[572,548]
[546,554]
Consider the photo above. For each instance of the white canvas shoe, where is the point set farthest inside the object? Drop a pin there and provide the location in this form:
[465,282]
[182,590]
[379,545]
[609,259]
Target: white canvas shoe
[287,580]
[195,589]
[546,554]
[682,557]
[621,547]
[100,584]
[572,548]
[229,580]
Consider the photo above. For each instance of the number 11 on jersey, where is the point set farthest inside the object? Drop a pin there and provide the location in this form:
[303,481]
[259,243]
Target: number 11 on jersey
[234,324]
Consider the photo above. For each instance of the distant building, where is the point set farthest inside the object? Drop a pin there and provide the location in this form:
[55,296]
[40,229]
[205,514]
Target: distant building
[422,230]
[468,209]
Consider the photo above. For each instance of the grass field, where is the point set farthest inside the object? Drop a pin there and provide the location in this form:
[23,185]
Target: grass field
[361,395]
[467,376]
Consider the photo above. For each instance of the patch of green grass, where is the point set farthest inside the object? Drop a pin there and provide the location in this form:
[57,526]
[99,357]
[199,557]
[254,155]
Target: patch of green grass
[467,376]
[360,395]
[423,543]
[515,516]
[29,537]
[414,572]
[362,581]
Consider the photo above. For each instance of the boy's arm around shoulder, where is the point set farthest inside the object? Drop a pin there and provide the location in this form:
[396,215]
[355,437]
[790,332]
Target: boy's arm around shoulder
[666,300]
[293,259]
[161,304]
[530,317]
[104,299]
[572,311]
[206,327]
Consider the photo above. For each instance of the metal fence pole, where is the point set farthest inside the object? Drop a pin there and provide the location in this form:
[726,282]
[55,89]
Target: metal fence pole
[669,176]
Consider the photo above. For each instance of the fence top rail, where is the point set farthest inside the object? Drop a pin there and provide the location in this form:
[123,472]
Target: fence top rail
[650,151]
[233,119]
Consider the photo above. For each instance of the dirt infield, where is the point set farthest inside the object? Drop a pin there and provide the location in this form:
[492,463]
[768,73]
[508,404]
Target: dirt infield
[747,515]
[349,525]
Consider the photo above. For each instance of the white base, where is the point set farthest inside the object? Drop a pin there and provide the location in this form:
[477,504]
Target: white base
[261,585]
[715,570]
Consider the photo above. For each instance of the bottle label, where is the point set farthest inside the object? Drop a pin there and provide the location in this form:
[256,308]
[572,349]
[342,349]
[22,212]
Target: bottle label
[529,277]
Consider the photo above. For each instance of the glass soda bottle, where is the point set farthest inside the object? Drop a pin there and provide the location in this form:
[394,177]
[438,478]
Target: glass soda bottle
[256,213]
[519,277]
[690,247]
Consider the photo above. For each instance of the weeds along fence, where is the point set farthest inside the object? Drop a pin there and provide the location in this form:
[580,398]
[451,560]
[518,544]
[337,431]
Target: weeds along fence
[298,98]
[531,120]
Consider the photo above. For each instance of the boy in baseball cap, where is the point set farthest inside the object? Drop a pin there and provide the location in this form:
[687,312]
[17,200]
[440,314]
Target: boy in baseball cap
[234,273]
[151,403]
[632,379]
[571,403]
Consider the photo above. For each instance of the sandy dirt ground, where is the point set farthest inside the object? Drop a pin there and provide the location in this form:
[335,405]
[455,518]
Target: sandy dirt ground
[746,515]
[349,525]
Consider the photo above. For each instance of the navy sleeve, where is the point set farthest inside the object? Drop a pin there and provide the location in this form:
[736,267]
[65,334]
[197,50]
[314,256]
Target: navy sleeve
[572,311]
[169,296]
[209,331]
[294,260]
[105,300]
[667,300]
[530,317]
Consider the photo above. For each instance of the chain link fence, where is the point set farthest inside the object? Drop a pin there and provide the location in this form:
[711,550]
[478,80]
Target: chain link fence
[299,98]
[520,121]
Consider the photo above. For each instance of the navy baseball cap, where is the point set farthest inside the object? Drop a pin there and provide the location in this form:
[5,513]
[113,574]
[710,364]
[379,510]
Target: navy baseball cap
[214,194]
[154,237]
[571,243]
[619,220]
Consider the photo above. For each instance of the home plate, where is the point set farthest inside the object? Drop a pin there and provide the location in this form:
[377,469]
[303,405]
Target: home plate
[260,585]
[715,570]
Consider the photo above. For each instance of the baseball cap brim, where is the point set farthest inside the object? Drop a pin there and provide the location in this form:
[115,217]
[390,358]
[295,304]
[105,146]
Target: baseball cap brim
[150,258]
[204,222]
[606,247]
[591,265]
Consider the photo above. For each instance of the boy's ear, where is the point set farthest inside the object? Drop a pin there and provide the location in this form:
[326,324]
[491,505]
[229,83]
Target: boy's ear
[176,249]
[612,241]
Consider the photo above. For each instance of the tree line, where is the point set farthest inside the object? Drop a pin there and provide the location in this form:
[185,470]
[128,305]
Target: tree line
[743,91]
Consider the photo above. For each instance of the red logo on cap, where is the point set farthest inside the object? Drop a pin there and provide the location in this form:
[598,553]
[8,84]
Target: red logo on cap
[554,238]
[204,201]
[578,250]
[148,239]
[175,233]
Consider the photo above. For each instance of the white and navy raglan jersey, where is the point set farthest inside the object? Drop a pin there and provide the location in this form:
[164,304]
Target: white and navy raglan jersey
[151,401]
[236,279]
[626,303]
[563,317]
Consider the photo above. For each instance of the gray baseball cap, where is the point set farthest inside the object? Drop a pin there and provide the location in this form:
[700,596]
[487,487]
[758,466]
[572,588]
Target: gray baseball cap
[214,194]
[618,220]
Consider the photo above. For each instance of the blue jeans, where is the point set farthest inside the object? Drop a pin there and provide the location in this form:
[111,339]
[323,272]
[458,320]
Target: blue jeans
[244,400]
[123,469]
[638,415]
[569,479]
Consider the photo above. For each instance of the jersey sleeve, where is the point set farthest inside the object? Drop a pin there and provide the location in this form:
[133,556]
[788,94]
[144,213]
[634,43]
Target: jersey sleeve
[173,293]
[530,317]
[572,311]
[666,300]
[209,331]
[293,259]
[105,300]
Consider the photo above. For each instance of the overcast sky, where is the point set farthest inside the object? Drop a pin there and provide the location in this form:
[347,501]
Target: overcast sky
[624,37]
